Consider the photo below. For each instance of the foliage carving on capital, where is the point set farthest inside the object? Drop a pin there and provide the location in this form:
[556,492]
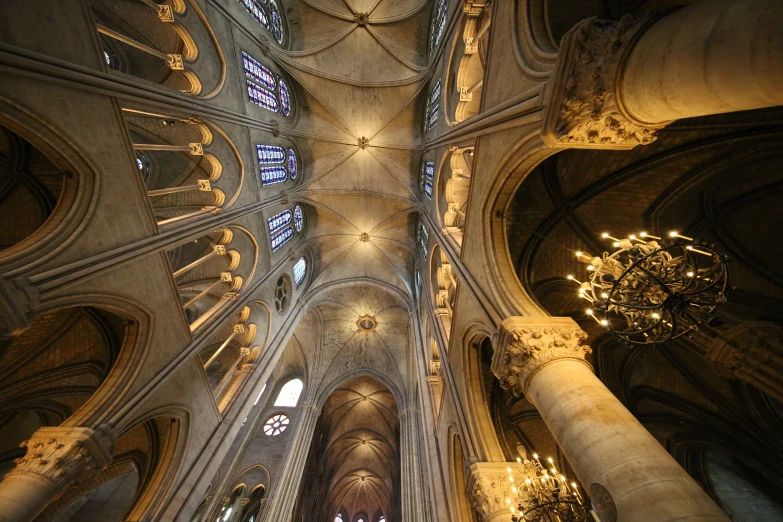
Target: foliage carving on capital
[526,344]
[489,487]
[67,455]
[583,110]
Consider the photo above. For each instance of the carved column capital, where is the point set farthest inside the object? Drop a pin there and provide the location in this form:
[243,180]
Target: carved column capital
[66,455]
[249,367]
[488,488]
[526,344]
[584,108]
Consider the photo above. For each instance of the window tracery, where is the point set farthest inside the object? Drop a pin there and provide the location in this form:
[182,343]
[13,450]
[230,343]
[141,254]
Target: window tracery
[276,424]
[284,225]
[423,239]
[438,25]
[427,177]
[265,88]
[433,105]
[300,271]
[289,393]
[277,164]
[267,14]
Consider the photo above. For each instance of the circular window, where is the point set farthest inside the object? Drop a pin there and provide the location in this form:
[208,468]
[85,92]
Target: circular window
[282,294]
[275,425]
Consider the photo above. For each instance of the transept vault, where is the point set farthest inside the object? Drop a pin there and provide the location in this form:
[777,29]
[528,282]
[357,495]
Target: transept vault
[314,260]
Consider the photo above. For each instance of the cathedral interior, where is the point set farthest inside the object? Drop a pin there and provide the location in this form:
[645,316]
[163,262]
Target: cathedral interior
[391,261]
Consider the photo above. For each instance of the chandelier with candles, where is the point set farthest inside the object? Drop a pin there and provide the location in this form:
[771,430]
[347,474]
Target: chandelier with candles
[544,495]
[652,289]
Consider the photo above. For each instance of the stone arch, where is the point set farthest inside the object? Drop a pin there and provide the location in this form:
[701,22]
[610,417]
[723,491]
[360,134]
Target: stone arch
[148,453]
[461,511]
[454,180]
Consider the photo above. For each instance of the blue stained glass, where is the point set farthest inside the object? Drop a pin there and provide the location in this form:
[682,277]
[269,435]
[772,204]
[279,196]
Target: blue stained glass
[139,164]
[258,73]
[107,58]
[429,169]
[256,11]
[282,238]
[261,97]
[272,175]
[285,98]
[277,21]
[428,189]
[433,104]
[278,221]
[300,270]
[270,154]
[423,237]
[293,167]
[438,26]
[298,218]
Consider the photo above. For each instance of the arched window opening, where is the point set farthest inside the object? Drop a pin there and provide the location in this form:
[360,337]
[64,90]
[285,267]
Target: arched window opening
[438,25]
[300,270]
[265,88]
[423,239]
[289,393]
[277,164]
[433,105]
[30,186]
[464,89]
[252,510]
[284,225]
[453,190]
[266,13]
[275,425]
[338,518]
[427,176]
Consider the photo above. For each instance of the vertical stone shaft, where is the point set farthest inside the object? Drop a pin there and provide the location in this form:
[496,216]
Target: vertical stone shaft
[413,505]
[628,475]
[283,497]
[711,57]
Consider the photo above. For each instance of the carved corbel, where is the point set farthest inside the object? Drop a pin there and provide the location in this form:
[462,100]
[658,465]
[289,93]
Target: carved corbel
[165,13]
[526,344]
[175,62]
[196,149]
[204,185]
[583,109]
[66,455]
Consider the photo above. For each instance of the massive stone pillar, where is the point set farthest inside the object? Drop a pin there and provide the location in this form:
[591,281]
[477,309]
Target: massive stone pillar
[283,495]
[627,473]
[414,506]
[617,82]
[56,459]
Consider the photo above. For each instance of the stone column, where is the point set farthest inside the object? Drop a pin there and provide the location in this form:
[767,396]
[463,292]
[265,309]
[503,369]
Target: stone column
[56,459]
[488,488]
[617,82]
[628,475]
[413,505]
[283,494]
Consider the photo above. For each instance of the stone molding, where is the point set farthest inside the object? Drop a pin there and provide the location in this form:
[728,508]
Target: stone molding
[526,344]
[67,455]
[488,488]
[584,109]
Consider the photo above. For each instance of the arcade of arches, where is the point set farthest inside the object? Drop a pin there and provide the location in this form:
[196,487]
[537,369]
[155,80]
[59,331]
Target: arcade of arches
[305,260]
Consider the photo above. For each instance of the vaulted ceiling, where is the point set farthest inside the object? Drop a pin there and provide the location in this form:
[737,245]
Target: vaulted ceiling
[359,80]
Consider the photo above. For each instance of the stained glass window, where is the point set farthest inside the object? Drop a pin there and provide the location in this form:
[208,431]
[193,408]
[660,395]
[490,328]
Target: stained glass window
[280,226]
[438,26]
[142,163]
[382,519]
[289,393]
[298,218]
[276,425]
[300,270]
[427,176]
[265,88]
[338,518]
[433,104]
[423,238]
[266,13]
[293,168]
[277,164]
[255,9]
[278,221]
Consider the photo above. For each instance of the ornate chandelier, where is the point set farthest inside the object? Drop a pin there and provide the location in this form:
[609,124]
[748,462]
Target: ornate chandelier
[652,290]
[544,495]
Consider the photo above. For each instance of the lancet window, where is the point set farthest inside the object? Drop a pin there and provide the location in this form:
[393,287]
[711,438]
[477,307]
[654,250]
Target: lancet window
[266,13]
[438,25]
[284,225]
[277,164]
[433,105]
[423,239]
[300,271]
[265,88]
[289,393]
[427,176]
